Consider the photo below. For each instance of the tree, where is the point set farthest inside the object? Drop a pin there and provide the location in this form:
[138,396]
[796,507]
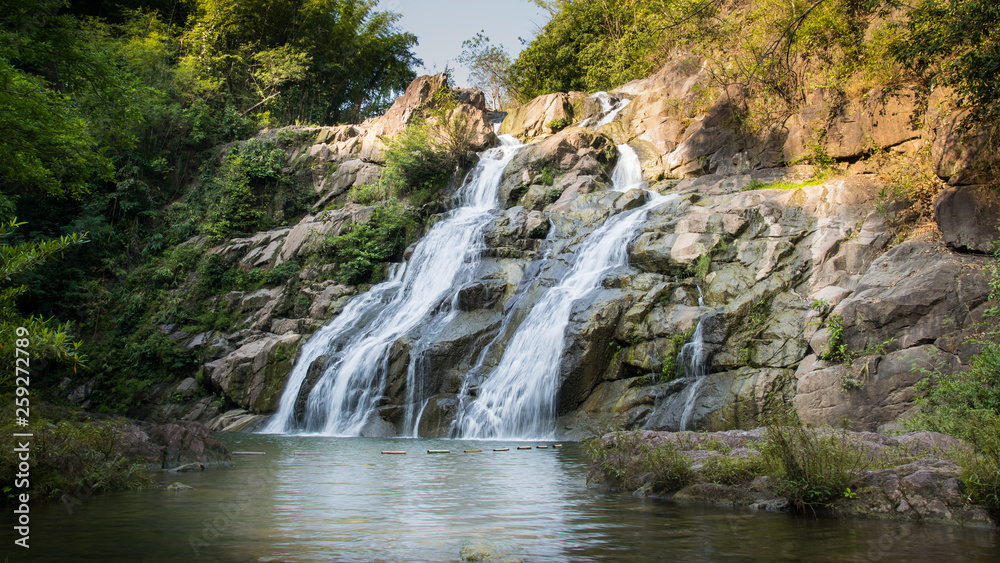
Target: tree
[489,67]
[65,99]
[957,42]
[589,45]
[324,61]
[43,337]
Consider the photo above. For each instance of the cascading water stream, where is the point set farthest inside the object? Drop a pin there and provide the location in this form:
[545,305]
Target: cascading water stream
[692,357]
[611,106]
[518,398]
[358,342]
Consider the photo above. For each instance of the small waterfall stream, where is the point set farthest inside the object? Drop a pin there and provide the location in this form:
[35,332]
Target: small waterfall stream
[692,356]
[359,341]
[518,398]
[611,106]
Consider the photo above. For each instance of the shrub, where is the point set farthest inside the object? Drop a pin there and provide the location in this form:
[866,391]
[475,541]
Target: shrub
[626,461]
[360,252]
[981,469]
[368,194]
[67,455]
[420,161]
[557,125]
[732,470]
[812,469]
[250,192]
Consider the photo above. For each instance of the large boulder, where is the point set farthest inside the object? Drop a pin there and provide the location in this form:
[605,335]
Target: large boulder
[961,154]
[881,119]
[575,157]
[917,293]
[166,446]
[421,93]
[911,314]
[253,375]
[537,117]
[969,217]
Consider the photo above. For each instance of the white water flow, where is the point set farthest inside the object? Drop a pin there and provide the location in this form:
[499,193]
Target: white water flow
[693,358]
[359,340]
[611,106]
[518,398]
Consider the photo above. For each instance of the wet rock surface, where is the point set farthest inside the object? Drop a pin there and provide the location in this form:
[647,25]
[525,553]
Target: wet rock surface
[184,445]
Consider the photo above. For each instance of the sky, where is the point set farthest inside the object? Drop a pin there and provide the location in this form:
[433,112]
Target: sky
[442,25]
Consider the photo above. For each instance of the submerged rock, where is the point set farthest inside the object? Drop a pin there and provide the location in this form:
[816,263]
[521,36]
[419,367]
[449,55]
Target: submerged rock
[181,443]
[481,552]
[178,487]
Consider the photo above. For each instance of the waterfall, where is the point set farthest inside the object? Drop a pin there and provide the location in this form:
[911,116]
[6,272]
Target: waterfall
[358,342]
[692,356]
[611,106]
[627,174]
[517,399]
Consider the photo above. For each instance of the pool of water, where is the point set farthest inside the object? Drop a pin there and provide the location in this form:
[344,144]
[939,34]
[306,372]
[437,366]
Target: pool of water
[341,499]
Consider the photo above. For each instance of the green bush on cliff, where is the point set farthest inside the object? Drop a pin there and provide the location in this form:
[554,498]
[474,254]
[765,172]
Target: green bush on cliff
[250,192]
[420,161]
[360,253]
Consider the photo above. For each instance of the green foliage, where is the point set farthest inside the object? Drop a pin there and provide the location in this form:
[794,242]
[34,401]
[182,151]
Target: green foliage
[981,469]
[414,163]
[249,193]
[421,160]
[489,68]
[360,252]
[700,267]
[732,470]
[590,45]
[541,231]
[368,194]
[46,337]
[812,469]
[817,180]
[626,461]
[64,99]
[836,350]
[955,42]
[68,455]
[557,125]
[671,367]
[323,61]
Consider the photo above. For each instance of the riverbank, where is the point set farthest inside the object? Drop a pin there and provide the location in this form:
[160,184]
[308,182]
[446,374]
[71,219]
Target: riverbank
[919,476]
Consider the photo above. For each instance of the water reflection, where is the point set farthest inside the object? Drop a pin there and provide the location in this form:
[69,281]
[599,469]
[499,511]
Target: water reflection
[331,499]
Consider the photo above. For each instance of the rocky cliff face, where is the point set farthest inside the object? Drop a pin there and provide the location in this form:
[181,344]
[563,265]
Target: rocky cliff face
[808,297]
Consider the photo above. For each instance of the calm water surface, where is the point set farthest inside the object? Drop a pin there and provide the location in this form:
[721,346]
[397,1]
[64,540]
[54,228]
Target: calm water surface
[345,501]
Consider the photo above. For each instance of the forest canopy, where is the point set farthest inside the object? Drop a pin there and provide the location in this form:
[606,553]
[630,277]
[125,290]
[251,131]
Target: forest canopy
[769,47]
[110,108]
